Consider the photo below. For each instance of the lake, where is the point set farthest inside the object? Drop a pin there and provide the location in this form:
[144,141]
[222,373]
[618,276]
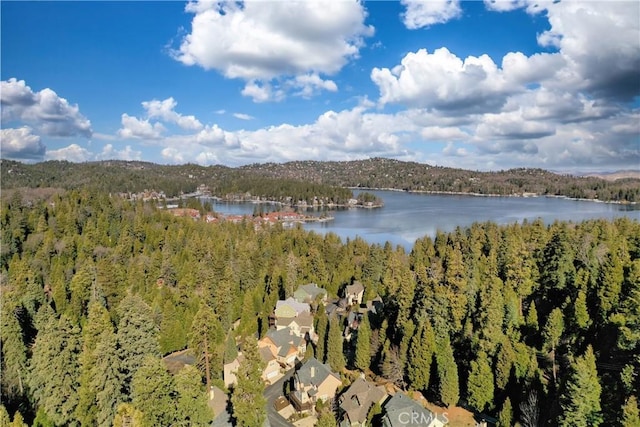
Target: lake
[406,217]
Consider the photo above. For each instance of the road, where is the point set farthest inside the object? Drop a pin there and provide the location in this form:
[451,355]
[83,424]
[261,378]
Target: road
[271,393]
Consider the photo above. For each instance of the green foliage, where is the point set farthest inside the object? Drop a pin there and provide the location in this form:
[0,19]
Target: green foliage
[630,413]
[247,399]
[505,416]
[54,370]
[152,391]
[5,420]
[192,407]
[14,353]
[322,325]
[420,356]
[335,354]
[206,340]
[480,383]
[327,419]
[580,400]
[363,344]
[447,386]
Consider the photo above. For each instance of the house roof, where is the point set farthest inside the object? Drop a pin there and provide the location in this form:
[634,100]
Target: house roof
[298,307]
[266,355]
[403,404]
[355,288]
[309,292]
[284,337]
[314,373]
[358,398]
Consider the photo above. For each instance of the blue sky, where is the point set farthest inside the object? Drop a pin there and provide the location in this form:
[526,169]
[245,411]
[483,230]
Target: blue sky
[479,85]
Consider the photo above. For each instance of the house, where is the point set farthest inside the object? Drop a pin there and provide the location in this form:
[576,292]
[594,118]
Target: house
[313,382]
[285,346]
[291,308]
[301,325]
[401,410]
[354,293]
[310,293]
[357,400]
[271,372]
[230,370]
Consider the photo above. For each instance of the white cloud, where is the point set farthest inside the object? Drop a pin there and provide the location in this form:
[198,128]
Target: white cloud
[44,110]
[110,153]
[424,13]
[260,92]
[243,116]
[21,143]
[443,81]
[311,84]
[133,127]
[164,110]
[262,42]
[71,153]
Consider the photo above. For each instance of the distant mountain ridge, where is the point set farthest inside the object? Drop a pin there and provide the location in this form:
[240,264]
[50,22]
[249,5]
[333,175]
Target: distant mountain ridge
[134,176]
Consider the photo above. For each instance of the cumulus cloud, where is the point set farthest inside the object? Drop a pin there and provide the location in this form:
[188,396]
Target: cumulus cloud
[264,42]
[48,113]
[133,127]
[71,153]
[443,81]
[21,143]
[424,13]
[111,153]
[164,110]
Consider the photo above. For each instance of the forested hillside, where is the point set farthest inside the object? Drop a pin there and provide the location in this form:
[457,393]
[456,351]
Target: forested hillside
[531,323]
[295,179]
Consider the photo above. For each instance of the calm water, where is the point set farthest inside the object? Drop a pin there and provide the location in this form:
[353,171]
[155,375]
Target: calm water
[406,217]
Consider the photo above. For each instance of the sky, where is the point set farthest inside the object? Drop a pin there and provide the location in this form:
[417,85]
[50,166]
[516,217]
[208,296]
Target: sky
[481,85]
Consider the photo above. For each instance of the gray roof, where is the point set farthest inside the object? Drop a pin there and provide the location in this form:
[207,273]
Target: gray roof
[265,354]
[357,400]
[356,288]
[309,291]
[284,337]
[399,405]
[320,372]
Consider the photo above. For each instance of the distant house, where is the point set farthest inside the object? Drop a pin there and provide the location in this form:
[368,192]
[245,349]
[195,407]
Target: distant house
[285,346]
[301,325]
[354,293]
[310,293]
[401,410]
[271,372]
[291,308]
[230,370]
[313,382]
[357,400]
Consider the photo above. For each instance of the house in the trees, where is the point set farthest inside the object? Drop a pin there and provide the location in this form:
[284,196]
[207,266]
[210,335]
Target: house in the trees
[313,382]
[401,410]
[271,372]
[354,293]
[285,345]
[301,325]
[230,370]
[291,308]
[310,293]
[356,402]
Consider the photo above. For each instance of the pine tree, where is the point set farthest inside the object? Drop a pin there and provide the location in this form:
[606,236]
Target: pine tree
[532,317]
[335,354]
[54,370]
[480,383]
[327,419]
[192,407]
[5,420]
[505,416]
[322,324]
[106,378]
[18,420]
[504,361]
[580,400]
[552,333]
[206,340]
[448,386]
[152,393]
[630,413]
[247,399]
[14,352]
[363,344]
[137,336]
[420,356]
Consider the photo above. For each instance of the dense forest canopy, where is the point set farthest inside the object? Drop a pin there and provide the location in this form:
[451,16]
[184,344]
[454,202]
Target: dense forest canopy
[294,179]
[530,323]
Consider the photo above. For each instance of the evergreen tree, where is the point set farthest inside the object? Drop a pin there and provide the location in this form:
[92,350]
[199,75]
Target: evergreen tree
[505,416]
[448,386]
[327,419]
[322,324]
[580,400]
[335,354]
[14,352]
[230,349]
[5,420]
[137,336]
[192,407]
[152,393]
[247,399]
[480,383]
[420,356]
[106,378]
[552,333]
[505,359]
[532,317]
[206,340]
[630,413]
[363,344]
[18,420]
[54,370]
